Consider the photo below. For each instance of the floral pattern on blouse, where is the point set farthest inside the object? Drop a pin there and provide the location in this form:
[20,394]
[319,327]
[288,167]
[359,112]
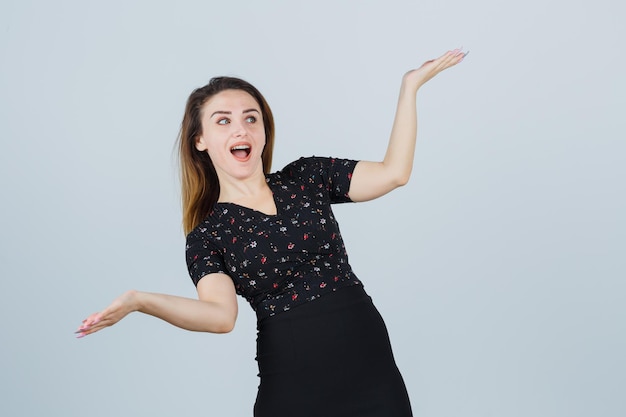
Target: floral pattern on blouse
[280,261]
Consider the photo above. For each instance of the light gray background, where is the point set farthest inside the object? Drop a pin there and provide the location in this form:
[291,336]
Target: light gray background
[499,269]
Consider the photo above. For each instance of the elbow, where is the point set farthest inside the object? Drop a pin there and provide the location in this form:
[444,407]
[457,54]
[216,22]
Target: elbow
[220,328]
[226,325]
[229,325]
[224,329]
[401,179]
[398,175]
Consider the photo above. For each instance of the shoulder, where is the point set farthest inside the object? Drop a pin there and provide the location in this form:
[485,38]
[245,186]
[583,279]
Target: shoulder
[207,230]
[300,165]
[312,166]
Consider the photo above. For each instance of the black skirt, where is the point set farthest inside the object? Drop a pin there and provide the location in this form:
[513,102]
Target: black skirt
[330,357]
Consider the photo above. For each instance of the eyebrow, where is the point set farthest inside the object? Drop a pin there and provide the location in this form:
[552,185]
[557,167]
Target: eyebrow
[229,112]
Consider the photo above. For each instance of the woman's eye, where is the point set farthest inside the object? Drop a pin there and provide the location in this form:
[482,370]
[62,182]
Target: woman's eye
[250,119]
[223,121]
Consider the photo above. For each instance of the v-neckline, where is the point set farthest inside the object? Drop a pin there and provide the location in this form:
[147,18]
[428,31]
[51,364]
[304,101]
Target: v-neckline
[255,210]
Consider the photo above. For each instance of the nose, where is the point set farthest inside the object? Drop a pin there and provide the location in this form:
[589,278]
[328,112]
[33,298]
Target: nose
[239,129]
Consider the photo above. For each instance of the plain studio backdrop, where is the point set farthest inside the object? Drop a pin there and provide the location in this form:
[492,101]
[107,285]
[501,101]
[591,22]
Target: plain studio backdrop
[499,268]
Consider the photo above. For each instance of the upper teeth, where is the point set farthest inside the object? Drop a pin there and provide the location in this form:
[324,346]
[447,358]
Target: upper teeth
[239,147]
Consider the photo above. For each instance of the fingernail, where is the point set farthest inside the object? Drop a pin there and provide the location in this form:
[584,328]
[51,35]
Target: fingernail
[464,55]
[80,335]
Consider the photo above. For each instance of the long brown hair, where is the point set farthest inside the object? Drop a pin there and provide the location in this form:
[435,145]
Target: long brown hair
[199,183]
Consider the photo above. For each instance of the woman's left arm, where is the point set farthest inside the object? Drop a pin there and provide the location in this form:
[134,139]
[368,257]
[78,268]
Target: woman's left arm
[371,180]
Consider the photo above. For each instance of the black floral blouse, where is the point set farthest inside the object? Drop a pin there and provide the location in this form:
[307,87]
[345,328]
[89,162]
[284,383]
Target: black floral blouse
[280,261]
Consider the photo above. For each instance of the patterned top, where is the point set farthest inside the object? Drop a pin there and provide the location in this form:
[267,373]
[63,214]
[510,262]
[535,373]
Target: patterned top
[280,261]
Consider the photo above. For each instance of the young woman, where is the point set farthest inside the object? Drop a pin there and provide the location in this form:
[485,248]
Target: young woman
[322,347]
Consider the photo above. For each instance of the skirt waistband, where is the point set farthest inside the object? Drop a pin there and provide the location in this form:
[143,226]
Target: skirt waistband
[328,303]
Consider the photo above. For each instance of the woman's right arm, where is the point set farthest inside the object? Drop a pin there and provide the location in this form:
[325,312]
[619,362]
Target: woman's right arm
[214,311]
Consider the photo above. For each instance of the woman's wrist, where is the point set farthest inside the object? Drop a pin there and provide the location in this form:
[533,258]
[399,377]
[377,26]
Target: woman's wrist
[135,300]
[408,89]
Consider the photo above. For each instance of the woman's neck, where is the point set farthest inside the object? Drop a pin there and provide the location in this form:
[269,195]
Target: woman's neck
[253,193]
[234,190]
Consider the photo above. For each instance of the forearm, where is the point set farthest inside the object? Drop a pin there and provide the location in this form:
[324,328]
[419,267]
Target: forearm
[187,313]
[398,161]
[373,179]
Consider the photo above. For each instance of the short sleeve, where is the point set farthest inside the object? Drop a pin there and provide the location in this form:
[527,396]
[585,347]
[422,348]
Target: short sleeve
[333,175]
[203,256]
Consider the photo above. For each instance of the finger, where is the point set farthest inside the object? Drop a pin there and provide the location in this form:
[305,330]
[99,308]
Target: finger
[458,55]
[450,59]
[99,321]
[95,327]
[89,323]
[445,61]
[82,333]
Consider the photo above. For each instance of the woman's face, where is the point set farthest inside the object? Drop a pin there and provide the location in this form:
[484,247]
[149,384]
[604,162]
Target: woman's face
[233,134]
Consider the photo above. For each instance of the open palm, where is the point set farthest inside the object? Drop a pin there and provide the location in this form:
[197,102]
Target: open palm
[418,77]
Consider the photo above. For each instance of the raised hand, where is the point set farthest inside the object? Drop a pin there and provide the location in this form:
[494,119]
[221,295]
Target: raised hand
[414,79]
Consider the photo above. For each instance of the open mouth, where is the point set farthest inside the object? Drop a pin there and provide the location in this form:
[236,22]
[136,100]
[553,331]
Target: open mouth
[240,151]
